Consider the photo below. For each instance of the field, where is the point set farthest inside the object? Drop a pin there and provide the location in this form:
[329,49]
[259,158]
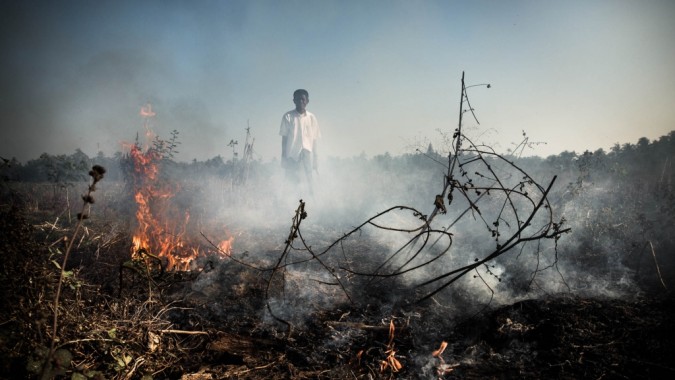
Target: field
[529,268]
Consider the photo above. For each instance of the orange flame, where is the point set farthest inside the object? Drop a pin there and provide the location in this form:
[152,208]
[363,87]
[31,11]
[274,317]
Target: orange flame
[146,111]
[225,246]
[161,230]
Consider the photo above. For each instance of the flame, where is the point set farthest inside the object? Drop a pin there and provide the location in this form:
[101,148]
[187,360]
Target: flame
[146,111]
[161,228]
[225,246]
[390,361]
[440,350]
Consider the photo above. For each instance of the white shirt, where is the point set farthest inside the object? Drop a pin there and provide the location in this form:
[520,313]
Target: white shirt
[302,132]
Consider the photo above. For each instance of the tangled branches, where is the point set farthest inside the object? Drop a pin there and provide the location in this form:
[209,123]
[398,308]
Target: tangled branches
[486,199]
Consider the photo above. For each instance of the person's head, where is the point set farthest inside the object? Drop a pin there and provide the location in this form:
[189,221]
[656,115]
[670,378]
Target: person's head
[300,98]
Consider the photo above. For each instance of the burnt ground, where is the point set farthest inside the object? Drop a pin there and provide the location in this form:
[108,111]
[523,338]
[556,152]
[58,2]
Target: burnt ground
[122,324]
[562,337]
[569,337]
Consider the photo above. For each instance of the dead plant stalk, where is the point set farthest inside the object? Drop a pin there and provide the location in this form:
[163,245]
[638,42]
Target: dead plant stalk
[96,173]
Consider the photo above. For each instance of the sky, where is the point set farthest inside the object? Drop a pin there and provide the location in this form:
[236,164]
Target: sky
[383,76]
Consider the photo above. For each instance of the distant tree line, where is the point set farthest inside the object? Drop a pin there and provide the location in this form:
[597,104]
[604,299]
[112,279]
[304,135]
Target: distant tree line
[68,169]
[649,163]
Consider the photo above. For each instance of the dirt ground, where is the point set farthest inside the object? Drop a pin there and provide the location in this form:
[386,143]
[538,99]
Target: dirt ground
[118,323]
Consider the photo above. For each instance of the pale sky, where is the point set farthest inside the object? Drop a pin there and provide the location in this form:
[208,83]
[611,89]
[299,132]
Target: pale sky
[383,76]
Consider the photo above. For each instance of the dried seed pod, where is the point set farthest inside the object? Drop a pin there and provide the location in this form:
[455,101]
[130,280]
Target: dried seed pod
[97,172]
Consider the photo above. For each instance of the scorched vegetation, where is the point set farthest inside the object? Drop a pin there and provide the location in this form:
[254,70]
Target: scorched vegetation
[464,263]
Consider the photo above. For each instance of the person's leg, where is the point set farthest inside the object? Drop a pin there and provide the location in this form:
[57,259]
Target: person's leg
[306,167]
[292,169]
[292,179]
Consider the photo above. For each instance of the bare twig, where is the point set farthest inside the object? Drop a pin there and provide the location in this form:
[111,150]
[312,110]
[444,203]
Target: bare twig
[658,270]
[182,332]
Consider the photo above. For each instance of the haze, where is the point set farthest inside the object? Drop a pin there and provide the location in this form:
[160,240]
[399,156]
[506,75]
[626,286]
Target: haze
[383,76]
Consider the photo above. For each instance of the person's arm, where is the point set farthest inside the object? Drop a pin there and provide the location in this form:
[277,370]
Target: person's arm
[283,131]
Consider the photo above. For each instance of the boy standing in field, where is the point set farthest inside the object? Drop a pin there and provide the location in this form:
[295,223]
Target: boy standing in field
[299,135]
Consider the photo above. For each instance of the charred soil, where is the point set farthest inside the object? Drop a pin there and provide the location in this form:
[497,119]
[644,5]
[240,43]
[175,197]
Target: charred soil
[117,323]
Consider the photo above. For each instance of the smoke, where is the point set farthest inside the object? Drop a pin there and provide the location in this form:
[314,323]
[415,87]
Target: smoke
[364,240]
[601,241]
[347,194]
